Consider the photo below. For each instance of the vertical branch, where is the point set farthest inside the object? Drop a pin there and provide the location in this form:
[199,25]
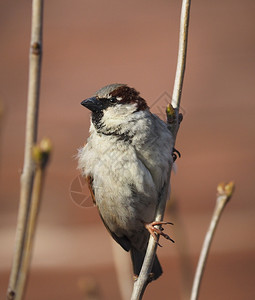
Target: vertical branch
[173,120]
[142,280]
[41,154]
[225,192]
[30,139]
[182,54]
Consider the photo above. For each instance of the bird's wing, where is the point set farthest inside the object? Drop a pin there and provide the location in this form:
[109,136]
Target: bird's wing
[123,241]
[89,180]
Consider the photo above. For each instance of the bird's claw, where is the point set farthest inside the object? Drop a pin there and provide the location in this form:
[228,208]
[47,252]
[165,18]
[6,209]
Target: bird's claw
[159,231]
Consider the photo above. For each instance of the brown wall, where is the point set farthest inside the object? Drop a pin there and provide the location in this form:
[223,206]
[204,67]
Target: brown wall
[88,44]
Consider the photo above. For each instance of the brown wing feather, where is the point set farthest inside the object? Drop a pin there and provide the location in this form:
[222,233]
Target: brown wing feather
[89,180]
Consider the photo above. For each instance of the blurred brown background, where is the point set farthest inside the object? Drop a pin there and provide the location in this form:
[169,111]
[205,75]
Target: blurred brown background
[88,44]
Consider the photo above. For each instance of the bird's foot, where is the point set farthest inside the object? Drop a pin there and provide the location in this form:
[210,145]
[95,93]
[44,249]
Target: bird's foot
[159,231]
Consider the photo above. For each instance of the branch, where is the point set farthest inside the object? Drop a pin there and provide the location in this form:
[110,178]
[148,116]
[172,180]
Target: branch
[225,192]
[142,280]
[30,139]
[41,154]
[182,54]
[173,122]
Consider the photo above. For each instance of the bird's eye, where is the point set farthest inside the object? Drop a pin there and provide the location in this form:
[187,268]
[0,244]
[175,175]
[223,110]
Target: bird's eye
[113,100]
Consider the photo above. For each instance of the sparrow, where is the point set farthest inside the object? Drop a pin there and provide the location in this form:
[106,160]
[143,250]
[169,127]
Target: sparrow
[126,162]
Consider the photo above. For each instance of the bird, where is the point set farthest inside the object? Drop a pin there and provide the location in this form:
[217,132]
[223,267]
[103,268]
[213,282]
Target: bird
[126,161]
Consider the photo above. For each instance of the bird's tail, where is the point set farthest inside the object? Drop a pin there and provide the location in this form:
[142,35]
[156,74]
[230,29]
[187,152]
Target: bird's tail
[137,260]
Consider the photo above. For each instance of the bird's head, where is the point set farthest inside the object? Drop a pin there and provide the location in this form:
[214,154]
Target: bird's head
[113,105]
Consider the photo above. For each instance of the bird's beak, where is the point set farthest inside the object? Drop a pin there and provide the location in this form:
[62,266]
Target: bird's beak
[93,104]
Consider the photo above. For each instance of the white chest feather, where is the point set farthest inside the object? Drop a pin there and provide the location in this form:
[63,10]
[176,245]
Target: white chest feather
[128,175]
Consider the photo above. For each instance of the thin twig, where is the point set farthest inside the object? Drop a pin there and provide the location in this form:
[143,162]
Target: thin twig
[41,155]
[225,192]
[142,280]
[182,54]
[173,118]
[31,136]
